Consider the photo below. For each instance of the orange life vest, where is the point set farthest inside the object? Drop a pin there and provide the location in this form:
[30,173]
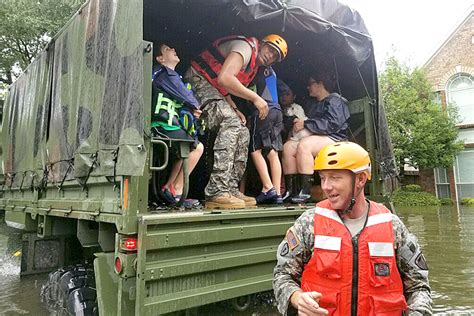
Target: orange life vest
[355,276]
[209,62]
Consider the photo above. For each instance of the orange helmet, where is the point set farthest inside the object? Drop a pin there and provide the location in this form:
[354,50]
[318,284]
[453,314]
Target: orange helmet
[277,42]
[343,155]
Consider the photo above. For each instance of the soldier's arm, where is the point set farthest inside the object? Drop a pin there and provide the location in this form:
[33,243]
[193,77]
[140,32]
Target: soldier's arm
[292,255]
[228,80]
[413,270]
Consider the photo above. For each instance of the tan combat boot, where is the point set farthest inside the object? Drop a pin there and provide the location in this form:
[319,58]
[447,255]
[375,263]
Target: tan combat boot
[224,201]
[249,201]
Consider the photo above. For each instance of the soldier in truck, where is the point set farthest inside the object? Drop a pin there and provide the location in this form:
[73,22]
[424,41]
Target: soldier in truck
[225,69]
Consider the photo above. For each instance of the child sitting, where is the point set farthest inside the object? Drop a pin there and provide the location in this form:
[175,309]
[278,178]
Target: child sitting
[173,101]
[291,111]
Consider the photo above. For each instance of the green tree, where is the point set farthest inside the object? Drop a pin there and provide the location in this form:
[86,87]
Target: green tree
[26,26]
[421,130]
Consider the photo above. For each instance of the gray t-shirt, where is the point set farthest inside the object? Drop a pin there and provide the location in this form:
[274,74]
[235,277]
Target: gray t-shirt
[355,225]
[239,46]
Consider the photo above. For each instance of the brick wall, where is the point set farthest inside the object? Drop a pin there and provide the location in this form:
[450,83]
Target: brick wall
[456,56]
[425,179]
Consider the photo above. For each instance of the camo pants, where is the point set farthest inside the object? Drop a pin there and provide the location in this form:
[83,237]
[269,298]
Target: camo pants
[231,144]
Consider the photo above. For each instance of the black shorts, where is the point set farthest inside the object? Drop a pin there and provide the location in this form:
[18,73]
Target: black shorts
[176,135]
[266,134]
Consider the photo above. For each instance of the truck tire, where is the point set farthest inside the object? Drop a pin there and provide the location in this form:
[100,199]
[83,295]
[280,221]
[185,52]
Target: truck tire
[242,303]
[71,291]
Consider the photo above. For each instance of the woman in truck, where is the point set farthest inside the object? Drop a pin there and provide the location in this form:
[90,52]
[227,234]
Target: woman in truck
[327,120]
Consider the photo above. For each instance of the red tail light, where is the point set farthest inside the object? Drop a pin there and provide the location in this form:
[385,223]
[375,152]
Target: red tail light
[130,244]
[118,265]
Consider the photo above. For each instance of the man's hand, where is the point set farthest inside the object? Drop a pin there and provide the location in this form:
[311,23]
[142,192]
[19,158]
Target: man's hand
[241,116]
[197,113]
[307,303]
[298,125]
[262,107]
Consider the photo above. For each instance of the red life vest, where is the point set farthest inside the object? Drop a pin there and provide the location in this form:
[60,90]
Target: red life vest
[379,288]
[209,62]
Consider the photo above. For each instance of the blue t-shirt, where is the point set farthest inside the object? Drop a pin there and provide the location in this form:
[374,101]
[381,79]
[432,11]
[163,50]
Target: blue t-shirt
[170,81]
[266,84]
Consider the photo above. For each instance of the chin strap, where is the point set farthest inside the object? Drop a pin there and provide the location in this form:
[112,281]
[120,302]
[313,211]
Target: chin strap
[353,200]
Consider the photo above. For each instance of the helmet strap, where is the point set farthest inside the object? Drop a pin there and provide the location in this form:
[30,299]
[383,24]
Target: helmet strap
[353,200]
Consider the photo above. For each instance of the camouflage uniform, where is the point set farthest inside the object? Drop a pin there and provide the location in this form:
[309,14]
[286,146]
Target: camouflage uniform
[232,141]
[293,258]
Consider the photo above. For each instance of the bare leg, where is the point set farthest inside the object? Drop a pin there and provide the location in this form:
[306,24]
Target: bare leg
[308,148]
[193,159]
[275,169]
[262,169]
[289,157]
[175,171]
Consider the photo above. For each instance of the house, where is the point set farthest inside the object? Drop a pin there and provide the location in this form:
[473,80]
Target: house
[450,70]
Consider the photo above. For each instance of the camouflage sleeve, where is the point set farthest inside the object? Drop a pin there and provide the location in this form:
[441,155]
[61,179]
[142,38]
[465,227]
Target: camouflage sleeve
[413,270]
[293,253]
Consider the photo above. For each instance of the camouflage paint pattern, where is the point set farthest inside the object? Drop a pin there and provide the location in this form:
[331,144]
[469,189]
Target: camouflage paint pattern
[295,252]
[231,144]
[78,108]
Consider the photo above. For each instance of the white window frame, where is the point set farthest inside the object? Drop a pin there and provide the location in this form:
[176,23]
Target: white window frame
[437,177]
[449,92]
[457,175]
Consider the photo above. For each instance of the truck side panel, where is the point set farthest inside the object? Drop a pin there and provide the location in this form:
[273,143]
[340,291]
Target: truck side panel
[192,259]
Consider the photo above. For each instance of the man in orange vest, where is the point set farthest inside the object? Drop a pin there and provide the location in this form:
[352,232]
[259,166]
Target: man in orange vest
[349,255]
[222,70]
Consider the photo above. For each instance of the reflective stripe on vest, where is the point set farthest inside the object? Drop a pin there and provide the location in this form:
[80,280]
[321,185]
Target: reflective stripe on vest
[330,270]
[209,62]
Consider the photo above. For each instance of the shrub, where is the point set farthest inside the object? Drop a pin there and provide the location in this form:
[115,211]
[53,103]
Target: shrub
[446,201]
[402,197]
[467,201]
[411,188]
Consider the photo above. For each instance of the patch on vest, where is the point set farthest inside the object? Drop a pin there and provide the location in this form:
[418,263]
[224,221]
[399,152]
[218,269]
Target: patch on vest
[284,250]
[293,241]
[382,269]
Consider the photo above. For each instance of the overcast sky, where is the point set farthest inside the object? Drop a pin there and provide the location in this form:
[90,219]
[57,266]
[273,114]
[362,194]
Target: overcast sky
[415,28]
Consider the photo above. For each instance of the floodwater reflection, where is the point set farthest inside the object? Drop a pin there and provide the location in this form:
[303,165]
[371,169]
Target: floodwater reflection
[447,238]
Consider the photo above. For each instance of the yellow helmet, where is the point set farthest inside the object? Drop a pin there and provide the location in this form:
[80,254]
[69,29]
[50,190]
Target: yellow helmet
[343,155]
[277,42]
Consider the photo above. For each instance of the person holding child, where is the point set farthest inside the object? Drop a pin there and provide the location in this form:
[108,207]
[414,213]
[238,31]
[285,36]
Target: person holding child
[326,119]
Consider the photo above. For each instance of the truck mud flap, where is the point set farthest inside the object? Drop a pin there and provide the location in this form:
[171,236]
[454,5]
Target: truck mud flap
[192,259]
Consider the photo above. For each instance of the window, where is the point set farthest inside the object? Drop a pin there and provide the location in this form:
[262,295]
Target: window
[436,98]
[464,167]
[442,183]
[461,94]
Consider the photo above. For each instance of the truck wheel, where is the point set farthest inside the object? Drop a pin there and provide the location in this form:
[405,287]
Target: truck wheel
[71,291]
[242,303]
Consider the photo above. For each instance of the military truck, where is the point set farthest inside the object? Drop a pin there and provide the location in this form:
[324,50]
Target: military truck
[78,164]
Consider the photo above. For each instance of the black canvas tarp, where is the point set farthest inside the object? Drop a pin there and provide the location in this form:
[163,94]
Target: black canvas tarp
[320,34]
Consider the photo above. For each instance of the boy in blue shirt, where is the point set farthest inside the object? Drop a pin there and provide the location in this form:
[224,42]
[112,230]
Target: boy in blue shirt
[265,138]
[174,110]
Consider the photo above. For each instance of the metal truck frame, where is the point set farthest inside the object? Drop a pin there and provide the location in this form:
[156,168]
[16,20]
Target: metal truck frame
[76,158]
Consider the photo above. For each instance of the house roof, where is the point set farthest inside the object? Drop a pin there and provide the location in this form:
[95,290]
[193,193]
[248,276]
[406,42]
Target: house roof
[466,17]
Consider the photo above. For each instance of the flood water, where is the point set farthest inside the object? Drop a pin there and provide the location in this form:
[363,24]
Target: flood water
[445,233]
